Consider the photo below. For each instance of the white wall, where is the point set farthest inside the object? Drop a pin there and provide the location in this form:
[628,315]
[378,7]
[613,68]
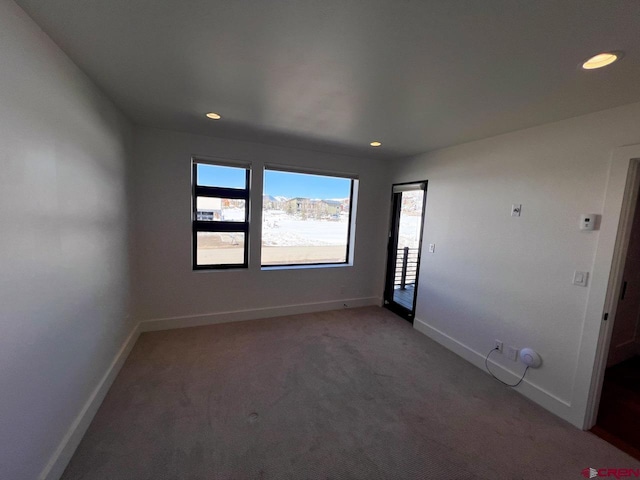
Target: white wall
[165,286]
[497,277]
[63,243]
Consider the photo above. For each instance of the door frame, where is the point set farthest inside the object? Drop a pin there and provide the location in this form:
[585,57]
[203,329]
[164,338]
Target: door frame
[608,268]
[392,247]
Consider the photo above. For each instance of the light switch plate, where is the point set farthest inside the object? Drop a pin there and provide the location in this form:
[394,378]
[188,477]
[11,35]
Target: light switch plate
[580,278]
[432,247]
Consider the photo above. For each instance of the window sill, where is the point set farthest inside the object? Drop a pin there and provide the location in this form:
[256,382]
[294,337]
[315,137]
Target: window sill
[305,267]
[225,269]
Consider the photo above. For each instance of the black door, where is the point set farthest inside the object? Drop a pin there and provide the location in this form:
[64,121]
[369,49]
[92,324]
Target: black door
[403,252]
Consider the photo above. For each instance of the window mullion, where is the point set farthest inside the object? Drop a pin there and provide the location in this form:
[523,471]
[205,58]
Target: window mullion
[219,192]
[205,226]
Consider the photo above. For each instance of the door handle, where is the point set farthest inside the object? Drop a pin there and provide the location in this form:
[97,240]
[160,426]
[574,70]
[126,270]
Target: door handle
[624,290]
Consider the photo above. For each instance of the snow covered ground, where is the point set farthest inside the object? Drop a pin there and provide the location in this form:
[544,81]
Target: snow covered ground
[409,234]
[280,229]
[286,239]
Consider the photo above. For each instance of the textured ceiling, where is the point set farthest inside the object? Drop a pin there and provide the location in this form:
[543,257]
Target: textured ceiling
[334,75]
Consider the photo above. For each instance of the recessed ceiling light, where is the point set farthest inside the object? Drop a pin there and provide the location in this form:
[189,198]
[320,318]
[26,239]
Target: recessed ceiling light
[601,60]
[375,144]
[214,116]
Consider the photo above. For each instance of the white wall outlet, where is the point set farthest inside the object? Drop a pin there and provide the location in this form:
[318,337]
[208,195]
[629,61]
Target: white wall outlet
[580,278]
[432,247]
[516,209]
[512,354]
[498,345]
[588,221]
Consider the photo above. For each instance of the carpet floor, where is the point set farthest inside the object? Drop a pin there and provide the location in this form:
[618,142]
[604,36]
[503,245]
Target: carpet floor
[349,394]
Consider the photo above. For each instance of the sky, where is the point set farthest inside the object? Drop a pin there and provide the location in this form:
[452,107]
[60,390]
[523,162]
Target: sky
[276,183]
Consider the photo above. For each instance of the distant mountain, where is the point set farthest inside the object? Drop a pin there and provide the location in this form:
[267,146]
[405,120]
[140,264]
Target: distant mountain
[280,198]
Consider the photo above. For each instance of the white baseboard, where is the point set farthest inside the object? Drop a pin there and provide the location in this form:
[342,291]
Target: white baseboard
[59,460]
[533,392]
[254,313]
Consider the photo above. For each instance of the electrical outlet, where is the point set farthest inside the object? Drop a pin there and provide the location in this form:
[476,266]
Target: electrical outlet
[498,345]
[512,354]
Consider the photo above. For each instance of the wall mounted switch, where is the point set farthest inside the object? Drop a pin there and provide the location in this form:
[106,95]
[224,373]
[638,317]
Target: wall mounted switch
[512,354]
[432,247]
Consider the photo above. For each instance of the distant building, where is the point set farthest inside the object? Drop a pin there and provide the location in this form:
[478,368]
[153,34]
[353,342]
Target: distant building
[209,209]
[307,207]
[334,207]
[312,208]
[270,202]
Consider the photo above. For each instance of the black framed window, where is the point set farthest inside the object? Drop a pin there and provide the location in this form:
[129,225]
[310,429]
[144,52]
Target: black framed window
[220,215]
[307,217]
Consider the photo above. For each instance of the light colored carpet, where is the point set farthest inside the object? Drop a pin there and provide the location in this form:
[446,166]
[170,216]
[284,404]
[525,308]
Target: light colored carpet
[338,395]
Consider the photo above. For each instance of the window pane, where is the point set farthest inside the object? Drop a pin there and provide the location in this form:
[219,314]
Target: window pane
[220,248]
[408,247]
[410,219]
[305,218]
[218,176]
[220,209]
